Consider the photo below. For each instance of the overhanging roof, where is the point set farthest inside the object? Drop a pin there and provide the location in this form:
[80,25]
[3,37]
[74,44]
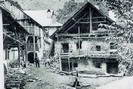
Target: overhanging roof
[64,27]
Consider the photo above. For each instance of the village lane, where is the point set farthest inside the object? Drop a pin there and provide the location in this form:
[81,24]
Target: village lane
[46,79]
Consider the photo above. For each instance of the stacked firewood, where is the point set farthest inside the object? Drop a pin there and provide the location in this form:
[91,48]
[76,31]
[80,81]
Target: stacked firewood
[15,79]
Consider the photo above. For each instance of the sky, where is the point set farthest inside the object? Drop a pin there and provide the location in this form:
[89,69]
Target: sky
[47,4]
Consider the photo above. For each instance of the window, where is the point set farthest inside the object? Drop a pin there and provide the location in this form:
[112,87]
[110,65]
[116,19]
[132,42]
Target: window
[98,48]
[79,45]
[92,35]
[97,64]
[113,46]
[65,47]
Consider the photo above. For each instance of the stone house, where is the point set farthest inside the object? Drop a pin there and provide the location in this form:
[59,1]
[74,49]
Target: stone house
[79,44]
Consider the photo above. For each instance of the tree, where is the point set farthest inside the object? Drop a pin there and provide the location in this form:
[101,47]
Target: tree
[70,7]
[123,10]
[15,3]
[67,9]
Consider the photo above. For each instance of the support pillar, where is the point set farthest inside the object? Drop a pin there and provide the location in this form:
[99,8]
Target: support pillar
[1,53]
[19,54]
[69,66]
[90,11]
[60,63]
[34,44]
[104,67]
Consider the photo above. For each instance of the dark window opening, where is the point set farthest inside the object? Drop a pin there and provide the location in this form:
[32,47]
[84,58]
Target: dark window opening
[65,47]
[95,26]
[68,65]
[97,64]
[112,67]
[75,64]
[113,46]
[79,45]
[98,48]
[92,35]
[84,28]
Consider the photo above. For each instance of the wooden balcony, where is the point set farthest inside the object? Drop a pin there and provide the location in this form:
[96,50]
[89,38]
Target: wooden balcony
[88,53]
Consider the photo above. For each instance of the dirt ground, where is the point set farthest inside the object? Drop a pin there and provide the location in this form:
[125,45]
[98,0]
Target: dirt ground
[44,78]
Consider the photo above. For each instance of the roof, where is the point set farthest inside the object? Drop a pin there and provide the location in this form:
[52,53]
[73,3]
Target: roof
[46,18]
[77,14]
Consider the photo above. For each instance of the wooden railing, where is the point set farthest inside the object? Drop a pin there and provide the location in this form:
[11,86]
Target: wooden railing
[81,53]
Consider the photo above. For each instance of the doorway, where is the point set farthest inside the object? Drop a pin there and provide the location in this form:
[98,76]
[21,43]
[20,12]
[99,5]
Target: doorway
[112,67]
[31,57]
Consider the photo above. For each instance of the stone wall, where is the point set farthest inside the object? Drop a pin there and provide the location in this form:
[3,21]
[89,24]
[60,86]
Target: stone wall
[89,46]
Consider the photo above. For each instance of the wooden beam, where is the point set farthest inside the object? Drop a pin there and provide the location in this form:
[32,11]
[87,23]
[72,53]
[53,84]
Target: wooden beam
[75,23]
[34,43]
[90,12]
[13,38]
[94,18]
[1,53]
[92,22]
[79,38]
[6,24]
[73,35]
[19,54]
[69,66]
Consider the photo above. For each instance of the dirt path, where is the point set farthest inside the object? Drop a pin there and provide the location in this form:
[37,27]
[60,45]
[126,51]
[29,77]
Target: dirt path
[49,80]
[46,79]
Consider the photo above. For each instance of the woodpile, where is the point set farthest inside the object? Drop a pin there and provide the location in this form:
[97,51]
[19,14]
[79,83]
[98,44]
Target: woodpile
[15,79]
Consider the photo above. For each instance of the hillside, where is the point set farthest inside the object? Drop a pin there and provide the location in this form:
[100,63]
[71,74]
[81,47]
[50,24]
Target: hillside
[41,4]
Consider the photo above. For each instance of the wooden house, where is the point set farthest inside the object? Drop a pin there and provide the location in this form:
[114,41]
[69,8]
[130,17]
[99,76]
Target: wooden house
[14,38]
[79,44]
[47,19]
[33,28]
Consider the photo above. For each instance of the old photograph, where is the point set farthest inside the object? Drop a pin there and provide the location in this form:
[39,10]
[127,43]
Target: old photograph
[66,44]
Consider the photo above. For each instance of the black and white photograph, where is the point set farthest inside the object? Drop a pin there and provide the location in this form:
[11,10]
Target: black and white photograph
[66,44]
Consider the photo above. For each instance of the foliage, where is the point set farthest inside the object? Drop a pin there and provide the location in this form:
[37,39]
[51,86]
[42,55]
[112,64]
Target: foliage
[67,9]
[123,10]
[71,7]
[124,47]
[14,3]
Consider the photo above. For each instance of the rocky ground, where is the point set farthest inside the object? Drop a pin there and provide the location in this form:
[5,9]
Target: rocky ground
[45,78]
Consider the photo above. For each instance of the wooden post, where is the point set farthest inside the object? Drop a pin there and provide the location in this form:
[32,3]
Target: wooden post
[26,50]
[1,53]
[69,66]
[60,60]
[34,43]
[19,53]
[79,40]
[90,11]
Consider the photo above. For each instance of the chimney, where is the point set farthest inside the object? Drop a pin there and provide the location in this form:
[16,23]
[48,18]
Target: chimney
[49,13]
